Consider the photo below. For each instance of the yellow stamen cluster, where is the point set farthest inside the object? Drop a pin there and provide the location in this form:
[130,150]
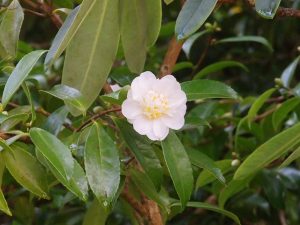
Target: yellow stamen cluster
[155,105]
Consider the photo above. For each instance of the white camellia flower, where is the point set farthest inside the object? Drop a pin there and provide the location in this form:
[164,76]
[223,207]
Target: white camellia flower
[155,105]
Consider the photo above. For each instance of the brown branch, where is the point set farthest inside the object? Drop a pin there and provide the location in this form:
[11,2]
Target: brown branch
[25,139]
[96,116]
[282,218]
[171,57]
[34,12]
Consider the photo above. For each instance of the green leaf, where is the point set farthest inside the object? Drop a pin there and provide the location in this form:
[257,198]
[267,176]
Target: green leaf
[203,89]
[30,101]
[181,66]
[154,18]
[72,97]
[267,8]
[146,186]
[257,39]
[188,43]
[10,27]
[91,53]
[96,214]
[11,121]
[54,151]
[102,165]
[3,204]
[142,150]
[56,120]
[289,72]
[206,176]
[168,1]
[269,151]
[232,188]
[68,30]
[215,67]
[19,74]
[116,97]
[179,167]
[26,170]
[292,157]
[193,14]
[213,208]
[273,187]
[259,102]
[134,33]
[281,113]
[77,184]
[201,160]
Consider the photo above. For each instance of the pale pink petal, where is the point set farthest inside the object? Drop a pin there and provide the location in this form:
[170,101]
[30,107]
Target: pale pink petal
[150,134]
[142,125]
[167,85]
[131,109]
[160,129]
[177,98]
[174,123]
[142,84]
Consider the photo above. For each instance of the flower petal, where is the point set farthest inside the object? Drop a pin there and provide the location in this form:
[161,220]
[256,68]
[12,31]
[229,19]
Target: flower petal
[142,84]
[175,122]
[160,130]
[167,85]
[142,125]
[131,109]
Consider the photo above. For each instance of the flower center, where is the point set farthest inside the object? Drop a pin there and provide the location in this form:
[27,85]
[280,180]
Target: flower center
[155,105]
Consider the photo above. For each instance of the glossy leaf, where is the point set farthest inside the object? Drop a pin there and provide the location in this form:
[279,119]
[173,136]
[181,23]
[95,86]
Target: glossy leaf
[58,155]
[72,97]
[215,67]
[77,184]
[193,14]
[231,189]
[146,186]
[68,30]
[203,205]
[203,89]
[154,18]
[281,113]
[269,151]
[273,187]
[289,72]
[267,8]
[3,204]
[206,176]
[26,170]
[11,121]
[257,39]
[201,160]
[168,1]
[292,157]
[19,74]
[10,28]
[259,102]
[179,167]
[30,100]
[142,150]
[188,44]
[56,120]
[134,33]
[102,165]
[92,51]
[96,214]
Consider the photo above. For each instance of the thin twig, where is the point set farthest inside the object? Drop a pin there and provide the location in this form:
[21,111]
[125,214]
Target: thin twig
[96,116]
[34,12]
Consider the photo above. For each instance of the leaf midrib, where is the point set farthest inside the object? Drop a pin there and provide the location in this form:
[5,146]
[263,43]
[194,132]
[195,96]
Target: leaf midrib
[94,46]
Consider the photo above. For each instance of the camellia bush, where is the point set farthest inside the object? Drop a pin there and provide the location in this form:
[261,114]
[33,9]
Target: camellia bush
[149,112]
